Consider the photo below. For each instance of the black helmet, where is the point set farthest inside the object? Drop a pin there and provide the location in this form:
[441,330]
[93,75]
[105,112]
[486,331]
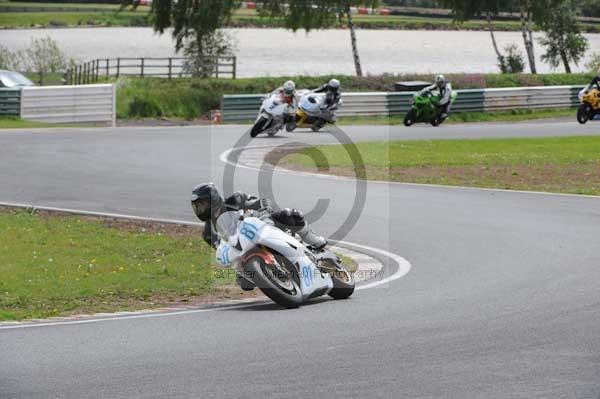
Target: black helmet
[206,201]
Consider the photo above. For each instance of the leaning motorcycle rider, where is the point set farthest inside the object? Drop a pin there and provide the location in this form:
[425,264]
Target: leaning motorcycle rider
[595,82]
[288,94]
[333,96]
[445,90]
[208,205]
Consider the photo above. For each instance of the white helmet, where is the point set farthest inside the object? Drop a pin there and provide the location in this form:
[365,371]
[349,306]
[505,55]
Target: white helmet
[440,81]
[289,88]
[334,85]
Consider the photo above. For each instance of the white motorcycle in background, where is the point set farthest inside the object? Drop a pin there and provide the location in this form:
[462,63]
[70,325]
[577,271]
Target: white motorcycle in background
[271,116]
[282,267]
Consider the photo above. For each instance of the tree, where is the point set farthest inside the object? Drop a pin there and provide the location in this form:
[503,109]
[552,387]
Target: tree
[43,56]
[563,39]
[527,9]
[8,59]
[195,25]
[314,14]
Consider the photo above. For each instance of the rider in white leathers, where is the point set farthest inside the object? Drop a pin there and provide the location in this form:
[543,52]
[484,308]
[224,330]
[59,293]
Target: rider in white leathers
[445,90]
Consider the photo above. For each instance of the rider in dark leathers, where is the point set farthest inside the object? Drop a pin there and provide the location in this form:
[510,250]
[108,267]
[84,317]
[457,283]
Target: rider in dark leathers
[333,93]
[208,205]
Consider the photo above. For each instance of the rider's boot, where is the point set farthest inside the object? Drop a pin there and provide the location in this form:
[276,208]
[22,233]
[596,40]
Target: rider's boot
[244,284]
[312,239]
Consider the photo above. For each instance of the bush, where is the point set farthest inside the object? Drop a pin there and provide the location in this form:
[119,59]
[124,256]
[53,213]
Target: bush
[513,61]
[143,108]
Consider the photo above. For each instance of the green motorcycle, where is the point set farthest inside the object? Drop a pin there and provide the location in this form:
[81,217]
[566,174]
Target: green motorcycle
[425,109]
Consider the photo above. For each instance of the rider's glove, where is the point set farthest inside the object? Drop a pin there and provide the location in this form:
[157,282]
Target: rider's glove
[265,203]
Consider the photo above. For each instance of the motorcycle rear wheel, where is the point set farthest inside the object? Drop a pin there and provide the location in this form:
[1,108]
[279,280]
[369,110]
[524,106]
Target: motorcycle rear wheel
[282,287]
[410,118]
[584,112]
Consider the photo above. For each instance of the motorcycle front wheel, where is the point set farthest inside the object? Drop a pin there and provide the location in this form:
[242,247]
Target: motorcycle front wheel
[437,120]
[343,280]
[275,281]
[583,113]
[260,126]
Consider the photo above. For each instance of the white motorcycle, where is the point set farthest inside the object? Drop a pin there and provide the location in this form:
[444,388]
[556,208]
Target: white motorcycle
[281,266]
[271,116]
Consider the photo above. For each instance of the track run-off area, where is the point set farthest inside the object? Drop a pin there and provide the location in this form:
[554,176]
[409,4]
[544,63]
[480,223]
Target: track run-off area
[502,299]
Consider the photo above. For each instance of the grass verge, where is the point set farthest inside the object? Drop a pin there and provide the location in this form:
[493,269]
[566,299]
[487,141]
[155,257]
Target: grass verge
[562,165]
[467,117]
[52,19]
[9,122]
[54,265]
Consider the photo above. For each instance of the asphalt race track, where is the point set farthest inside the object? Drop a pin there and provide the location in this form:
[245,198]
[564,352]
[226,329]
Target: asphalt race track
[503,299]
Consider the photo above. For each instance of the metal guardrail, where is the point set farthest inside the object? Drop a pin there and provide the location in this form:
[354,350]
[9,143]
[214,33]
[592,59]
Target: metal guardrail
[168,67]
[242,108]
[10,102]
[69,104]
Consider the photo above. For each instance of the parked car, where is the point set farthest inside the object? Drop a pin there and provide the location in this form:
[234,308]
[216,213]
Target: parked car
[10,79]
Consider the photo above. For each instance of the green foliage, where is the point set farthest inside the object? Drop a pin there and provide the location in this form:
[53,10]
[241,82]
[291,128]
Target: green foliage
[195,20]
[311,14]
[563,40]
[143,108]
[7,59]
[43,57]
[513,61]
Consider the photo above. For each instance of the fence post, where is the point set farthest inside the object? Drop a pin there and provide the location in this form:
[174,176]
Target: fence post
[217,67]
[107,67]
[97,70]
[142,67]
[85,73]
[234,67]
[170,66]
[118,67]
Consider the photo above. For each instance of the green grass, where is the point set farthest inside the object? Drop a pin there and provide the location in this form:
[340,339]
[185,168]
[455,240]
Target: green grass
[564,164]
[56,265]
[51,79]
[64,19]
[66,6]
[10,122]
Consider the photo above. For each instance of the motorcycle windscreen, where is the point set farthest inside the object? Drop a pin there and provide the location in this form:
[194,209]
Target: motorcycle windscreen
[227,225]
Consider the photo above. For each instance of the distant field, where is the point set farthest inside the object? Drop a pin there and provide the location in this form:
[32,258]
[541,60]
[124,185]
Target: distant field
[69,14]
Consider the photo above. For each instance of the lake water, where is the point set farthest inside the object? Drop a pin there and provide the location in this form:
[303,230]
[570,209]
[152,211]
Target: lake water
[273,52]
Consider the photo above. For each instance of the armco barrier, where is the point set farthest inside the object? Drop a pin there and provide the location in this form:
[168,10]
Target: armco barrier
[69,104]
[242,108]
[10,102]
